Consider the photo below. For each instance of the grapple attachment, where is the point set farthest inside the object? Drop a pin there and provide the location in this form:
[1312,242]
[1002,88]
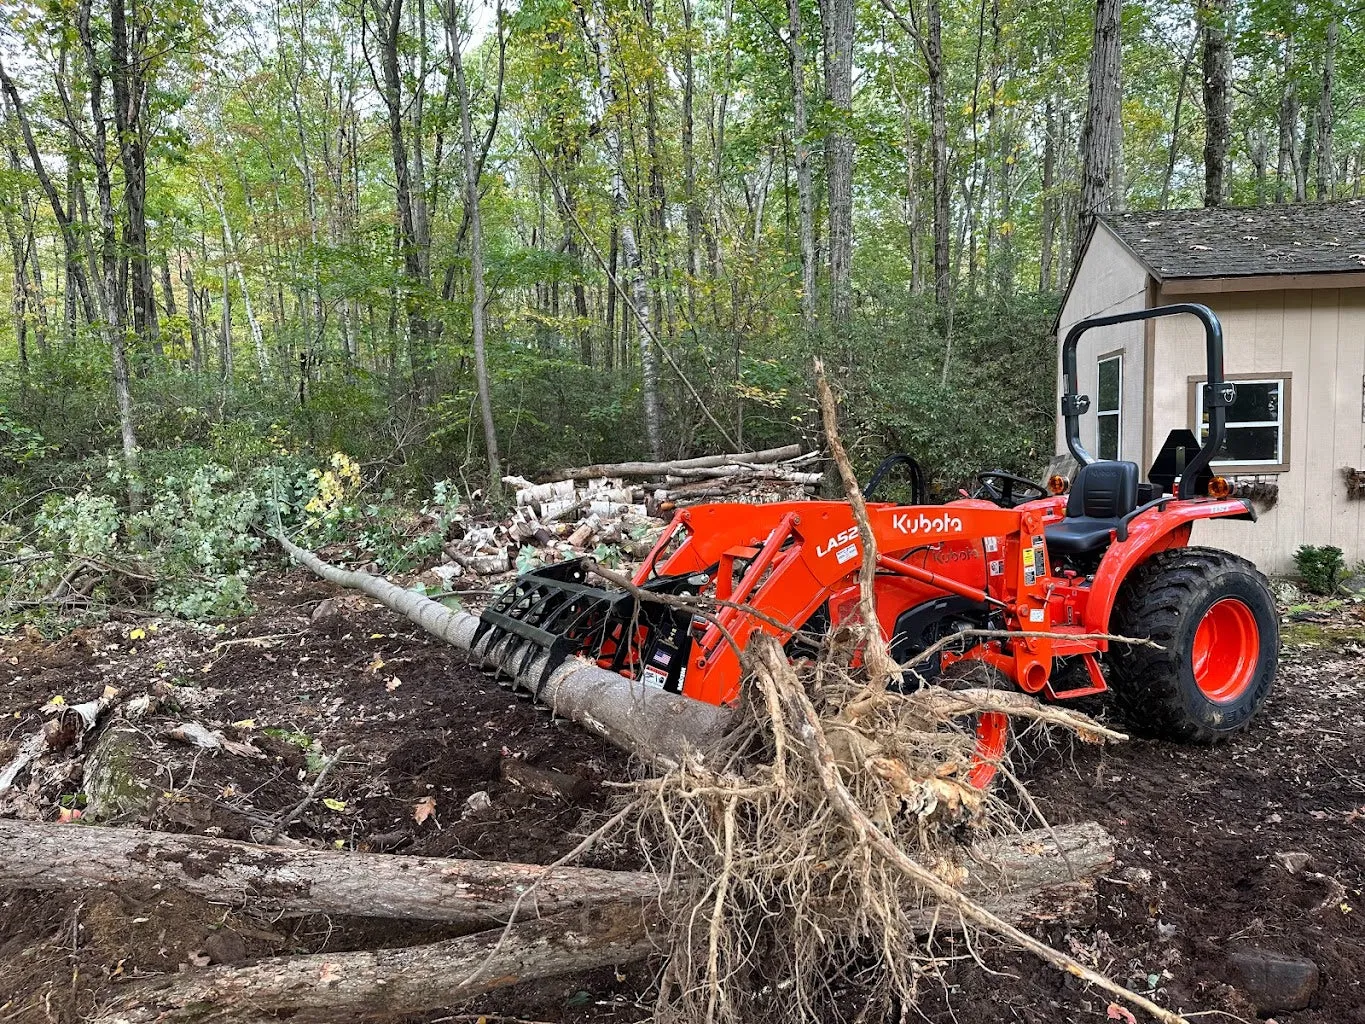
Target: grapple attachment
[553,611]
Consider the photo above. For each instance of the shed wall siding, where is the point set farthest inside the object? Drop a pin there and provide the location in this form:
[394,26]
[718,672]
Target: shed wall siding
[1317,336]
[1109,280]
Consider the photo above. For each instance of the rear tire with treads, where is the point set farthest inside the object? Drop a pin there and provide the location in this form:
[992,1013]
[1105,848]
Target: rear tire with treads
[1215,619]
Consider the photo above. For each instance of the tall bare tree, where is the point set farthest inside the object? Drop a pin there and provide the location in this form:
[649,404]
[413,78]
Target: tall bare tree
[836,17]
[472,175]
[805,196]
[1103,125]
[1213,25]
[1326,177]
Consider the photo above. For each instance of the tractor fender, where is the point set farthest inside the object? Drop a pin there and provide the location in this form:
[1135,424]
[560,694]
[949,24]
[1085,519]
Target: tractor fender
[1155,529]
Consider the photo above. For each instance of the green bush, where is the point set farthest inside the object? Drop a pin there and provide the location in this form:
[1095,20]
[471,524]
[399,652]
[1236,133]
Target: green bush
[1321,566]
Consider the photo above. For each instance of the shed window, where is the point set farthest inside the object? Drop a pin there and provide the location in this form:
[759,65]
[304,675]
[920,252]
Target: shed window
[1109,407]
[1255,423]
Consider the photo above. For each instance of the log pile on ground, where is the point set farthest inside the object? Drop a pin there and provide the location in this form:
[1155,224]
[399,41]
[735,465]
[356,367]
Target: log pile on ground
[617,510]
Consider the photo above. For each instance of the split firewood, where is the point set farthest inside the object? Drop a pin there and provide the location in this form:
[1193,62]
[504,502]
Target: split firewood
[282,880]
[324,987]
[659,469]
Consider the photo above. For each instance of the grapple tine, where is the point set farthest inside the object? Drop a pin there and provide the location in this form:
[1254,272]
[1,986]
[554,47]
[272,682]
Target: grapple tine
[552,611]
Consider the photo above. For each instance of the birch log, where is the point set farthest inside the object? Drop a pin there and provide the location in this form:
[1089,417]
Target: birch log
[660,469]
[643,720]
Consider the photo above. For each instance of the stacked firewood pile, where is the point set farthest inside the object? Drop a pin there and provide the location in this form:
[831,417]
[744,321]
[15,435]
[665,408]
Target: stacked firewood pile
[618,510]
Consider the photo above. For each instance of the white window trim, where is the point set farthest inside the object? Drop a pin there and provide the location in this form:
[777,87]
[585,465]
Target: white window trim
[1278,424]
[1117,412]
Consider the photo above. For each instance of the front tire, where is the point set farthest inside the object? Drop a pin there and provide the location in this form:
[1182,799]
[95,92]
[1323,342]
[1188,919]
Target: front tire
[1215,619]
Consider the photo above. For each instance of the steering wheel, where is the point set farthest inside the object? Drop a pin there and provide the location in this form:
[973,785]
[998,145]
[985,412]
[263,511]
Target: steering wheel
[999,487]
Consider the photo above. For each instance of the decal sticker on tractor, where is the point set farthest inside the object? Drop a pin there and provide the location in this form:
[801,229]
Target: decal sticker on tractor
[846,554]
[837,541]
[1030,573]
[991,544]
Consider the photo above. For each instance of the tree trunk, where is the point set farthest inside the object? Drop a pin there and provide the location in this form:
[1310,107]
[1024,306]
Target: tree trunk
[1326,180]
[472,178]
[1285,172]
[326,987]
[938,136]
[1035,877]
[1213,15]
[837,25]
[595,29]
[1049,200]
[805,201]
[279,880]
[689,155]
[130,93]
[1174,151]
[651,723]
[1103,119]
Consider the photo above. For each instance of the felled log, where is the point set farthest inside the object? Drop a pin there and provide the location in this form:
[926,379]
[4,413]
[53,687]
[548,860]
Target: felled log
[325,987]
[279,880]
[661,469]
[643,720]
[1040,875]
[743,472]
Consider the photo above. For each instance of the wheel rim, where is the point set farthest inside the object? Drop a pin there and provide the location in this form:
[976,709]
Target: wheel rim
[992,733]
[1226,647]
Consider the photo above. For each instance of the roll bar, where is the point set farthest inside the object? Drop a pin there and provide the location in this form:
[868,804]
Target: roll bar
[1218,393]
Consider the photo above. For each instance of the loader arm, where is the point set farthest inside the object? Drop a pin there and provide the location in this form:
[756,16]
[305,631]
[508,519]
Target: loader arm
[786,560]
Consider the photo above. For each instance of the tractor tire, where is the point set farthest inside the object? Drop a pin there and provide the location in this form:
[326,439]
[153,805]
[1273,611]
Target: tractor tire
[1215,619]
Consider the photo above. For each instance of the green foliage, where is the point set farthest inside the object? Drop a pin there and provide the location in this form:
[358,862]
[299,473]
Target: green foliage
[1322,567]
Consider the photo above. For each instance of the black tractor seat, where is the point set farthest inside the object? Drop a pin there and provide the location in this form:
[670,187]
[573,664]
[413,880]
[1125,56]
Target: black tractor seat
[1101,495]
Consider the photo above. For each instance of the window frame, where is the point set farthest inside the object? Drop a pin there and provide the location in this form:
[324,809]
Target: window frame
[1238,467]
[1116,356]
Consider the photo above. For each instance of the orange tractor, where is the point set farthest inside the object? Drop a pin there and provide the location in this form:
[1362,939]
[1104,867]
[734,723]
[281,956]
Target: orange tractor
[1060,571]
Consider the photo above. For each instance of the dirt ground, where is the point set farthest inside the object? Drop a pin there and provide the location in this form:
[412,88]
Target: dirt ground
[1201,832]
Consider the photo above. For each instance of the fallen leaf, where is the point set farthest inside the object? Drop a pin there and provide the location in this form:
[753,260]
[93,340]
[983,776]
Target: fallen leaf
[137,634]
[423,809]
[245,723]
[376,665]
[393,684]
[199,958]
[335,805]
[69,814]
[1117,1012]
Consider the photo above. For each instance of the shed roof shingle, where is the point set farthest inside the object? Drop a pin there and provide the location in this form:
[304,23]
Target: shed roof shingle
[1309,238]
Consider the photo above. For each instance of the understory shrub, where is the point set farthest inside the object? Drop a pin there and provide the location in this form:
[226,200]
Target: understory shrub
[1321,566]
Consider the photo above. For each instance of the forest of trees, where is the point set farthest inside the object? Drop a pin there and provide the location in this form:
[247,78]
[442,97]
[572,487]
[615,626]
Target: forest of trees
[468,239]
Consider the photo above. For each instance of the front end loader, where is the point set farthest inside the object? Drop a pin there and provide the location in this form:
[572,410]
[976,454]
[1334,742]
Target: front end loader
[1060,572]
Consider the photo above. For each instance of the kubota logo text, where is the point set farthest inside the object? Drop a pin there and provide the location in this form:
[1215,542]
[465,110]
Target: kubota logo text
[908,522]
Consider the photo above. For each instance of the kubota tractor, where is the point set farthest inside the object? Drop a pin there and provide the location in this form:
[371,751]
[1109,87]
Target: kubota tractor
[1111,557]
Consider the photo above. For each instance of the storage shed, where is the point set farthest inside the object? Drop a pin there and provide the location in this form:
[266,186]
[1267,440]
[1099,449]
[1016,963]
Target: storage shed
[1288,284]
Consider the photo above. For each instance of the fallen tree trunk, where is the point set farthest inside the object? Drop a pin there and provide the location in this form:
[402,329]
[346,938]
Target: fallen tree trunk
[1040,875]
[643,720]
[659,469]
[278,880]
[381,982]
